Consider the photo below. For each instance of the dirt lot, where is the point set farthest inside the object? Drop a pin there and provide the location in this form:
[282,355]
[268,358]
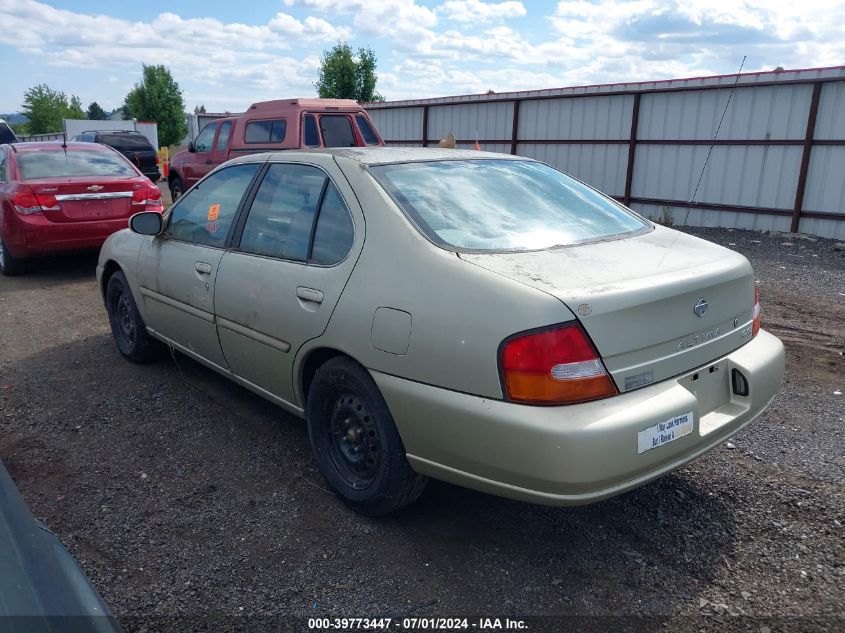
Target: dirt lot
[185,497]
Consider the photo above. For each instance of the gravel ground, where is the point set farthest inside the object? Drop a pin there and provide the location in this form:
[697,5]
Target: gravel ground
[191,503]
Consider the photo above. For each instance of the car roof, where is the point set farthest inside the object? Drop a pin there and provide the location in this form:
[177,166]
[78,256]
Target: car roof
[382,155]
[35,146]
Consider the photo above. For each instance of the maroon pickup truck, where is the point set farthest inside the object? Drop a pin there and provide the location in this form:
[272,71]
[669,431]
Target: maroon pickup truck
[272,126]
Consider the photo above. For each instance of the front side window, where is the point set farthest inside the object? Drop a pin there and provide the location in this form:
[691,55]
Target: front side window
[337,131]
[223,136]
[205,214]
[290,199]
[265,131]
[57,163]
[366,129]
[205,138]
[2,166]
[512,205]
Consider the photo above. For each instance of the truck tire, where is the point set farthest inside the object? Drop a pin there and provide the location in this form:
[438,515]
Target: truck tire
[177,188]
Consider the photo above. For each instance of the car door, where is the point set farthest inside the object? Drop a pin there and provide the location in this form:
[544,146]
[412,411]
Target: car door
[291,257]
[201,160]
[178,269]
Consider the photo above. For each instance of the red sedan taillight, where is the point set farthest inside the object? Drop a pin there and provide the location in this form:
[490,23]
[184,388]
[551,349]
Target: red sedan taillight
[147,199]
[27,203]
[555,366]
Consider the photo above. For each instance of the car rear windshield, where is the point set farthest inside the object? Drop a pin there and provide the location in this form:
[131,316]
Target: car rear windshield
[126,142]
[58,163]
[511,205]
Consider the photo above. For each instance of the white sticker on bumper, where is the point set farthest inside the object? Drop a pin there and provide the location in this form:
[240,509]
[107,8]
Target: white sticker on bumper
[664,432]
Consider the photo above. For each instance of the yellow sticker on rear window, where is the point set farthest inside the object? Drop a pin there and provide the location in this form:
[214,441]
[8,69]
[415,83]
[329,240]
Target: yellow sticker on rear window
[213,212]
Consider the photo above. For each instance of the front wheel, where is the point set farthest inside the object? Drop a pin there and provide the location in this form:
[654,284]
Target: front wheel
[176,188]
[127,326]
[355,442]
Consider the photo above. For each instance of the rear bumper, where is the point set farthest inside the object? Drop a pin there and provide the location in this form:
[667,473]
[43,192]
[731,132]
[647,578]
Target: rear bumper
[579,453]
[33,235]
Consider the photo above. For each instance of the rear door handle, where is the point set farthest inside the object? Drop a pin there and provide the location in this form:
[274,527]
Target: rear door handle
[202,268]
[309,294]
[208,162]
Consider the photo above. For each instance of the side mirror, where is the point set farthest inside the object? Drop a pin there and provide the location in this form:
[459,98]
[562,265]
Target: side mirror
[147,223]
[191,147]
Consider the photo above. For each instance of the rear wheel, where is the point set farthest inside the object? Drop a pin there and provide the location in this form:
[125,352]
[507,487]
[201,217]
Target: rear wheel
[176,188]
[9,264]
[127,326]
[355,442]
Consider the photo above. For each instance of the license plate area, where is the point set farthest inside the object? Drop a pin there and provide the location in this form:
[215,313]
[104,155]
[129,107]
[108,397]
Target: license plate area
[710,386]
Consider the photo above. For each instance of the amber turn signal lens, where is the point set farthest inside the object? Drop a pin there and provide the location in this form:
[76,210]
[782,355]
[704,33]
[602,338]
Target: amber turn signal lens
[755,315]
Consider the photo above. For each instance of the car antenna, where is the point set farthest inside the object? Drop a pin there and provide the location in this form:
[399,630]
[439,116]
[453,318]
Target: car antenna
[713,142]
[691,201]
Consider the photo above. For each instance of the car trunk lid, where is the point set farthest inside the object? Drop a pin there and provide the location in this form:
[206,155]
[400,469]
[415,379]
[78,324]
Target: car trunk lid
[655,305]
[85,198]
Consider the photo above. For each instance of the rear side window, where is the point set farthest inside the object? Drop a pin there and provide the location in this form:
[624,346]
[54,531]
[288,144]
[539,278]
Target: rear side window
[55,163]
[125,142]
[310,136]
[281,222]
[265,131]
[223,136]
[2,166]
[366,130]
[205,213]
[334,234]
[337,131]
[282,215]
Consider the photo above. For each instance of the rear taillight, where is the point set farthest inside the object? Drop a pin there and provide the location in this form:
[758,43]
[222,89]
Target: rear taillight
[556,366]
[27,203]
[755,315]
[148,197]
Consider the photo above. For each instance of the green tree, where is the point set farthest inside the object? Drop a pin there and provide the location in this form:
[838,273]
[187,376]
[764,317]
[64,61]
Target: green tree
[200,109]
[45,108]
[344,75]
[96,113]
[75,110]
[158,98]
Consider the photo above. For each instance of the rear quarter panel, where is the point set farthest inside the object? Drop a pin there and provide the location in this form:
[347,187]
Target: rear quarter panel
[460,313]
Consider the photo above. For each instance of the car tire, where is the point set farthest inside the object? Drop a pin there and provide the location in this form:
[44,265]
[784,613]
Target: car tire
[177,188]
[355,442]
[9,264]
[127,326]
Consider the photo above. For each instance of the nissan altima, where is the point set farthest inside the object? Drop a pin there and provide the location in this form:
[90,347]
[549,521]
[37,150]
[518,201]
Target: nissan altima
[478,318]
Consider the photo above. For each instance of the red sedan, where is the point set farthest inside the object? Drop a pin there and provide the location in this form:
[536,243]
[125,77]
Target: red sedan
[69,197]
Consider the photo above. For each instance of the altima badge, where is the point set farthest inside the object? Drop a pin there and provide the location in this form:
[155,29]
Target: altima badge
[700,308]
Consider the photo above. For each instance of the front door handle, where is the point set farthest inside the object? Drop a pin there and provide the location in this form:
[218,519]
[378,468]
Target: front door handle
[202,268]
[208,162]
[309,294]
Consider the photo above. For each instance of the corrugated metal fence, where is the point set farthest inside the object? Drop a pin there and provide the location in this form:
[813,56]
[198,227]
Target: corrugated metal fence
[778,162]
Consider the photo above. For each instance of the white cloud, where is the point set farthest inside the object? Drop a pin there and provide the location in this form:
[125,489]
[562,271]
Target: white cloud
[478,11]
[398,18]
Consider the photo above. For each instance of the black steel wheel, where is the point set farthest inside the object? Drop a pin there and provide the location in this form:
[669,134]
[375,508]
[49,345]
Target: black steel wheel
[128,328]
[355,442]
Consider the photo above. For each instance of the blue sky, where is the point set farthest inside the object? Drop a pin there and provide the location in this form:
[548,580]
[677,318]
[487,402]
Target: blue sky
[227,55]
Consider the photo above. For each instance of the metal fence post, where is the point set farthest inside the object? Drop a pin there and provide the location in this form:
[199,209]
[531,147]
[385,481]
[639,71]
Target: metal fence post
[632,146]
[515,126]
[805,157]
